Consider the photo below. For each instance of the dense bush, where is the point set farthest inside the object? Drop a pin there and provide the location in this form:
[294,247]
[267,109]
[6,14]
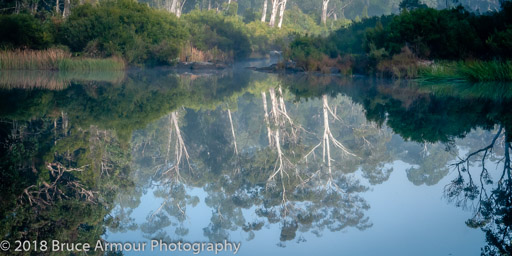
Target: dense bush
[447,34]
[307,51]
[25,31]
[352,39]
[377,43]
[444,34]
[210,30]
[123,28]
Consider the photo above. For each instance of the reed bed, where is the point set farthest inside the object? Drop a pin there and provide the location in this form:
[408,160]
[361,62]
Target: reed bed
[486,71]
[55,59]
[472,71]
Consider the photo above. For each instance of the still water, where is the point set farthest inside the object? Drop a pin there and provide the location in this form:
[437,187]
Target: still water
[277,164]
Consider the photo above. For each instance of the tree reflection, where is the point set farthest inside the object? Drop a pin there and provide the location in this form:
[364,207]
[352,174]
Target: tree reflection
[491,200]
[279,178]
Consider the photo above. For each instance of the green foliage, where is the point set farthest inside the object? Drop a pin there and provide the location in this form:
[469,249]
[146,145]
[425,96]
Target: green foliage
[451,34]
[123,28]
[265,38]
[297,21]
[501,43]
[306,51]
[355,38]
[445,34]
[251,15]
[209,30]
[24,31]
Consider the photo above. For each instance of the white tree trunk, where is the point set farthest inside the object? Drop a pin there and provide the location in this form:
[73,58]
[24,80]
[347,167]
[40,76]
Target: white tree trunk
[172,7]
[325,4]
[275,7]
[179,7]
[65,12]
[281,13]
[264,13]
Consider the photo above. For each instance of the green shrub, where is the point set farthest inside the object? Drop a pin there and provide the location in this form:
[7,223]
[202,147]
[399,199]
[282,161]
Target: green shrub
[501,43]
[24,31]
[123,28]
[210,30]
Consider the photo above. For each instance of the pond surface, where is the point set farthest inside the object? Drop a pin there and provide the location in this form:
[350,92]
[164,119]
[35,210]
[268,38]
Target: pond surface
[277,164]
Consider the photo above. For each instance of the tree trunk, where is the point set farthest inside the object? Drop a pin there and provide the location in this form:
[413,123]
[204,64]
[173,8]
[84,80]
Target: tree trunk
[173,6]
[325,4]
[34,7]
[57,9]
[65,12]
[275,6]
[281,13]
[179,7]
[264,13]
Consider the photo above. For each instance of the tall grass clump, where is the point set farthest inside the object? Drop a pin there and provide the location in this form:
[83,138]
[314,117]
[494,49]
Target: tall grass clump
[32,60]
[440,72]
[472,71]
[86,64]
[54,59]
[486,71]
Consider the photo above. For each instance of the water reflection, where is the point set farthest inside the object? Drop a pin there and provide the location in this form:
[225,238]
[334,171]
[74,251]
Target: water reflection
[293,154]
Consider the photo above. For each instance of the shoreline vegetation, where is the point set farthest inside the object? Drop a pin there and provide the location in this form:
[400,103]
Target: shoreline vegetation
[418,42]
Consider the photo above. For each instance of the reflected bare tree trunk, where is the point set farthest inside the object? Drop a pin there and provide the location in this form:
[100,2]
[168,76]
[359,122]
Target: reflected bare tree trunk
[181,154]
[232,131]
[327,139]
[267,121]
